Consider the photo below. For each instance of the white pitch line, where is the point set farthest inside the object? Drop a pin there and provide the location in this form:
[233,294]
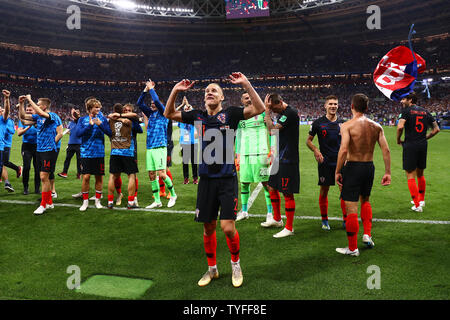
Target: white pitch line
[250,215]
[254,195]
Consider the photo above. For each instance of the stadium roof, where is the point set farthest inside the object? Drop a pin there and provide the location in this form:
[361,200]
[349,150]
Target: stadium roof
[42,23]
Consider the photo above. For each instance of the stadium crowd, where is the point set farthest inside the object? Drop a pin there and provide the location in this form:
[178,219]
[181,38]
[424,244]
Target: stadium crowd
[308,101]
[199,63]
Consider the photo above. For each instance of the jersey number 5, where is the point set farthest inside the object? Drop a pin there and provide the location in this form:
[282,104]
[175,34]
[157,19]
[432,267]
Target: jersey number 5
[419,125]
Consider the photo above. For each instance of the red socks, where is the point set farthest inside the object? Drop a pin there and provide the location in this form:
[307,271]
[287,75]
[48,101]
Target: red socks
[344,211]
[118,185]
[98,194]
[366,217]
[233,245]
[85,195]
[352,227]
[323,205]
[275,200]
[414,191]
[210,243]
[169,174]
[110,198]
[162,186]
[46,198]
[290,210]
[422,185]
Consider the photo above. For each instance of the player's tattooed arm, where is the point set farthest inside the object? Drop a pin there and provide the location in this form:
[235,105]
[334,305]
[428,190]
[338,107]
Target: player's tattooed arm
[170,112]
[386,180]
[400,127]
[435,130]
[7,105]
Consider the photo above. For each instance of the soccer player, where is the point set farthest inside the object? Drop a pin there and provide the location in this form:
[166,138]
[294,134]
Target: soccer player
[162,185]
[252,159]
[327,129]
[4,115]
[189,145]
[92,151]
[218,183]
[59,135]
[73,147]
[47,126]
[415,121]
[27,130]
[7,140]
[285,173]
[156,145]
[359,136]
[122,159]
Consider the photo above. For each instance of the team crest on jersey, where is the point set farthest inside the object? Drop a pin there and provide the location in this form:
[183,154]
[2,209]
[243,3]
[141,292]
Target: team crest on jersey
[222,118]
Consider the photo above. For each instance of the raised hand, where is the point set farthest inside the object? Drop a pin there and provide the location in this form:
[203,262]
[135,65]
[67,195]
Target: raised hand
[22,99]
[6,93]
[184,85]
[238,78]
[149,84]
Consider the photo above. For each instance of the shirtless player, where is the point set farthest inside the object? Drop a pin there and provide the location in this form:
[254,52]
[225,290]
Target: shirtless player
[359,136]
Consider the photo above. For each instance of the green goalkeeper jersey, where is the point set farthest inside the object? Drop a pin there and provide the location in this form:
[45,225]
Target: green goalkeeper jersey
[252,136]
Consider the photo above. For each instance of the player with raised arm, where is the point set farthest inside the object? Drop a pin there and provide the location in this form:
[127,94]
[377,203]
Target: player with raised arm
[252,159]
[189,145]
[415,121]
[217,188]
[4,115]
[92,151]
[7,140]
[48,132]
[327,129]
[73,146]
[355,170]
[287,176]
[156,145]
[27,130]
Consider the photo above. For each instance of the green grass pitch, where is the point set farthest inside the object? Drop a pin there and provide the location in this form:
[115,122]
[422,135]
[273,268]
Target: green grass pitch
[167,248]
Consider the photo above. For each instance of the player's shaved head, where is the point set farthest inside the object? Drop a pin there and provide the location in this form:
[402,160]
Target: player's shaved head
[360,102]
[216,85]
